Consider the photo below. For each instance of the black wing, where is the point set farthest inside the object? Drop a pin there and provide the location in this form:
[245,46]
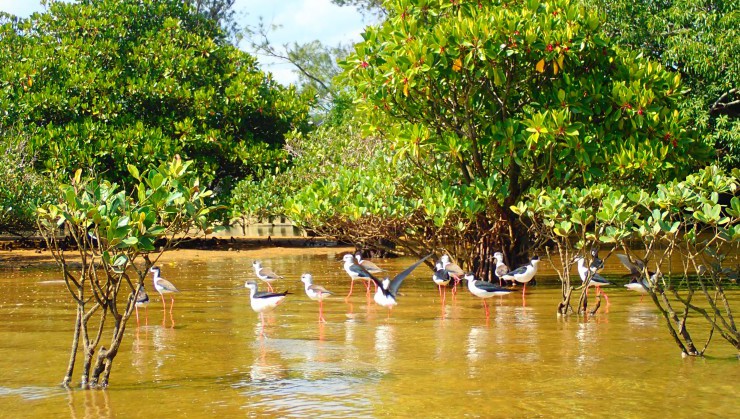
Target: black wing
[518,271]
[600,280]
[442,274]
[362,272]
[634,268]
[597,264]
[396,282]
[490,287]
[267,294]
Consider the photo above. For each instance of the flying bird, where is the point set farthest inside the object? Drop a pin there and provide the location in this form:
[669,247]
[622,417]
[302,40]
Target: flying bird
[387,291]
[636,267]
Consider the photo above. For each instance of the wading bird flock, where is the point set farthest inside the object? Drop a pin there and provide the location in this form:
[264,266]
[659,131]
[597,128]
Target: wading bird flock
[387,289]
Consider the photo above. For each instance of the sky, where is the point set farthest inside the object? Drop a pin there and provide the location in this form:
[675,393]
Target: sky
[300,20]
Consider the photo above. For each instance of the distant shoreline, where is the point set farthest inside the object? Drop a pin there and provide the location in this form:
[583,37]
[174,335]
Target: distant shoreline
[31,256]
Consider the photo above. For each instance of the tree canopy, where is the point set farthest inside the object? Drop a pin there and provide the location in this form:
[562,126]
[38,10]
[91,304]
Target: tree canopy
[478,103]
[110,83]
[698,39]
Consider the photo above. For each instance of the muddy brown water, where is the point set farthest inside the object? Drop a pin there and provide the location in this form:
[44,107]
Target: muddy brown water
[427,360]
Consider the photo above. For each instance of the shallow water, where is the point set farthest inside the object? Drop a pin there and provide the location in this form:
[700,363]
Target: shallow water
[427,359]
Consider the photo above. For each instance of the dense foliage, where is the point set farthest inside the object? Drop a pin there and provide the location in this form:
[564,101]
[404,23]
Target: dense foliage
[693,223]
[701,40]
[113,230]
[22,189]
[111,83]
[476,103]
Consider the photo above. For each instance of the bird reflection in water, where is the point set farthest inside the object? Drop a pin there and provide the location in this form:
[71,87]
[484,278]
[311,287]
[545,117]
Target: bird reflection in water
[267,365]
[476,347]
[162,338]
[385,345]
[140,349]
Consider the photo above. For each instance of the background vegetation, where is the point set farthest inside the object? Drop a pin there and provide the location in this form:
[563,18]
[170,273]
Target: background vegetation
[465,127]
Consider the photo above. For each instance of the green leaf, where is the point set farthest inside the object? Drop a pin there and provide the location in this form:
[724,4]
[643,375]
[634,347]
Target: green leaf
[134,172]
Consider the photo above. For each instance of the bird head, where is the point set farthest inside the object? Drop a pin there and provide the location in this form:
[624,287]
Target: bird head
[251,285]
[535,260]
[307,279]
[445,259]
[257,264]
[154,269]
[498,256]
[469,276]
[348,258]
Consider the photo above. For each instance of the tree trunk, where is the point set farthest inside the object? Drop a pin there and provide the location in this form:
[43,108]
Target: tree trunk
[75,344]
[502,236]
[104,363]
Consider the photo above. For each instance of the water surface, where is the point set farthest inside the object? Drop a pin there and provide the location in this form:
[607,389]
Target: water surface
[426,358]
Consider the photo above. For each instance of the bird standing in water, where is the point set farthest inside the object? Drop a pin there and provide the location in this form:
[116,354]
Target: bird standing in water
[316,293]
[597,280]
[265,274]
[141,300]
[523,274]
[501,268]
[369,266]
[441,278]
[355,272]
[453,269]
[483,290]
[263,301]
[163,286]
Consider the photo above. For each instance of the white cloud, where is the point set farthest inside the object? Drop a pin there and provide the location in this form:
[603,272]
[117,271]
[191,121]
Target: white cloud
[21,8]
[302,21]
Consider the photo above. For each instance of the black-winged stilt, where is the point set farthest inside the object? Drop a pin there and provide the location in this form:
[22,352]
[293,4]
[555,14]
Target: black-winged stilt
[387,291]
[441,278]
[453,270]
[141,300]
[597,264]
[316,293]
[523,274]
[265,274]
[263,301]
[484,290]
[635,266]
[644,285]
[163,286]
[641,287]
[501,268]
[355,272]
[597,280]
[369,266]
